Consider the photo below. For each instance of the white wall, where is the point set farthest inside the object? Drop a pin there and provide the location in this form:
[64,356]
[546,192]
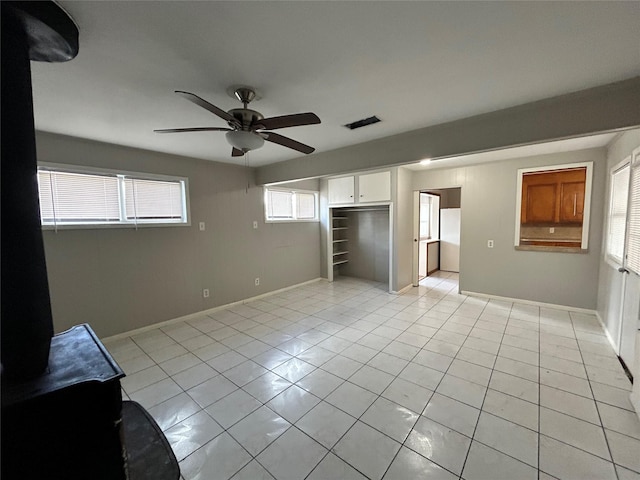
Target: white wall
[119,279]
[488,212]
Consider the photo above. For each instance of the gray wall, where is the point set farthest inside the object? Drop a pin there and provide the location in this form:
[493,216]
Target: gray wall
[403,234]
[119,279]
[610,280]
[606,108]
[488,212]
[449,197]
[368,236]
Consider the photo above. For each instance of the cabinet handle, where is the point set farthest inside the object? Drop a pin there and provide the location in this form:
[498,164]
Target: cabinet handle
[575,203]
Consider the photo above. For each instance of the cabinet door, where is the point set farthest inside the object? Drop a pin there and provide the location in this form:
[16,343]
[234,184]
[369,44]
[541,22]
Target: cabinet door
[341,190]
[539,203]
[374,187]
[571,202]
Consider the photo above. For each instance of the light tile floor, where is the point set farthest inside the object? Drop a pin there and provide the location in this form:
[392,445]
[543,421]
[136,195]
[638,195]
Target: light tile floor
[345,381]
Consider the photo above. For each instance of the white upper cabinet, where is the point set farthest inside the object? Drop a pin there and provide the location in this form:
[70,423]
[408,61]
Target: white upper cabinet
[341,190]
[371,187]
[374,187]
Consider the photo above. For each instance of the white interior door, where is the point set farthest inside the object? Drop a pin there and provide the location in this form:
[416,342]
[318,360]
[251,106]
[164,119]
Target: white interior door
[630,321]
[450,239]
[631,270]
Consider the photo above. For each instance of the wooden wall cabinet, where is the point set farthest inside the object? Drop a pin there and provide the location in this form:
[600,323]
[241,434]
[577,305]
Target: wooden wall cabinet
[553,197]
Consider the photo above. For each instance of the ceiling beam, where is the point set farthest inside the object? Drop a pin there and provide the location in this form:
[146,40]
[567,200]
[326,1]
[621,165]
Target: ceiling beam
[606,108]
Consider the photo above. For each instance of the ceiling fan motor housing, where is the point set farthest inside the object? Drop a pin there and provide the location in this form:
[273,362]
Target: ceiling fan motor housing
[245,117]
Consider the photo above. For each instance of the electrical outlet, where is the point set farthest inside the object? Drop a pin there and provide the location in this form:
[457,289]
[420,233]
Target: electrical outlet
[205,293]
[552,230]
[257,281]
[489,243]
[201,225]
[255,224]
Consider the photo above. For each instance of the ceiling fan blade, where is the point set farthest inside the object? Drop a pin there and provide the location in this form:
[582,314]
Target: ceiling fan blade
[207,106]
[288,142]
[236,152]
[295,120]
[194,129]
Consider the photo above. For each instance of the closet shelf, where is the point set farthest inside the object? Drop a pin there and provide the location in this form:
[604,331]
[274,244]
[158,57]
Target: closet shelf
[340,253]
[339,262]
[340,228]
[341,240]
[339,218]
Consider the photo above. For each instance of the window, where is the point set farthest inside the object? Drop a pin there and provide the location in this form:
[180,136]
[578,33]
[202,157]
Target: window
[425,216]
[617,213]
[632,256]
[77,198]
[284,205]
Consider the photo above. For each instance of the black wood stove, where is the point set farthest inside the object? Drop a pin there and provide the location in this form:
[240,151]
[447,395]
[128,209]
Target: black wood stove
[62,411]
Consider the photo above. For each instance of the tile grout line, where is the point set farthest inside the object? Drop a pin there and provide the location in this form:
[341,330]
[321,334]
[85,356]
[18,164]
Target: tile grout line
[475,428]
[606,439]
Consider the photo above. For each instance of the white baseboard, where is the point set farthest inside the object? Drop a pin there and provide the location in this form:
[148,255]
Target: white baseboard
[193,316]
[530,302]
[402,290]
[604,327]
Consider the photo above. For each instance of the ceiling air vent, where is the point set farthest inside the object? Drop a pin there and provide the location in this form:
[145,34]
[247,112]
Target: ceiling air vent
[362,123]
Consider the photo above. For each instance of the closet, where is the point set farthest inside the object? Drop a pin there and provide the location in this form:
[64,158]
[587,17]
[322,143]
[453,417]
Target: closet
[360,226]
[359,242]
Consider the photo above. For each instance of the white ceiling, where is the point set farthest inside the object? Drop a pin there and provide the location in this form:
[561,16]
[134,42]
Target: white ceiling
[413,64]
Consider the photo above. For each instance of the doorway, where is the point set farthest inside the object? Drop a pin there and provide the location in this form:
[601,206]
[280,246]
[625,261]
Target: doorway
[436,232]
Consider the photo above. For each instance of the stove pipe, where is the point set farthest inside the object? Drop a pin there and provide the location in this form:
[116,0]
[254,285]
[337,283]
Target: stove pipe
[39,31]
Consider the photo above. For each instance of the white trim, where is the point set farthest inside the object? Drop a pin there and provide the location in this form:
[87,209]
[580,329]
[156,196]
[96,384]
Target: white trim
[530,302]
[403,290]
[604,327]
[193,316]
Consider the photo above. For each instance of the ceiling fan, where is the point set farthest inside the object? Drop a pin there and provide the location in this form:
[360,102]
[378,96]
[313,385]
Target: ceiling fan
[248,129]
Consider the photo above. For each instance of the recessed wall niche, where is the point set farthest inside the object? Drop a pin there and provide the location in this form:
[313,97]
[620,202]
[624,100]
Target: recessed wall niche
[552,208]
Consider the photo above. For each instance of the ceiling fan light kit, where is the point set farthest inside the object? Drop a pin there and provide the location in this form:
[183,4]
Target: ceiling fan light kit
[248,128]
[244,141]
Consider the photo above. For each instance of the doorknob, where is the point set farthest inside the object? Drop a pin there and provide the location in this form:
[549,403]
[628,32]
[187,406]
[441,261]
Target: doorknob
[623,270]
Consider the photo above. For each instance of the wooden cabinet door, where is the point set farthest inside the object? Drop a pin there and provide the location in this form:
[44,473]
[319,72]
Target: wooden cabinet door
[553,197]
[540,203]
[571,202]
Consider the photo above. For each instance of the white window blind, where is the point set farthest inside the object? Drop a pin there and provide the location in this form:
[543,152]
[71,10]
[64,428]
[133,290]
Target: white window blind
[632,261]
[306,205]
[290,205]
[618,213]
[280,204]
[78,198]
[85,198]
[152,199]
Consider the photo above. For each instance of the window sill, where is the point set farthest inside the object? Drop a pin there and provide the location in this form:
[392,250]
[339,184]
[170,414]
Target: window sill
[550,248]
[103,226]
